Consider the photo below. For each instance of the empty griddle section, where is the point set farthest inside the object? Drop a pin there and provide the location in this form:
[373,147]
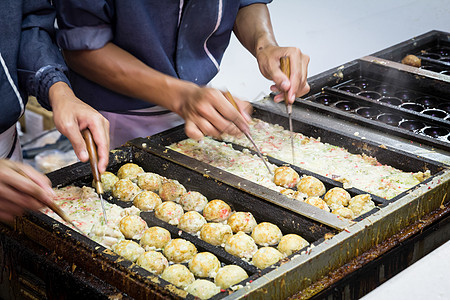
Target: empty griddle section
[433,48]
[80,174]
[385,98]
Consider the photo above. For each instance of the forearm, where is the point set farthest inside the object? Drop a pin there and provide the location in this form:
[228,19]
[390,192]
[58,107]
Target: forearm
[118,70]
[254,29]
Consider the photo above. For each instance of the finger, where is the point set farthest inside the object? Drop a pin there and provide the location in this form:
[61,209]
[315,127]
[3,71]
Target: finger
[40,179]
[11,209]
[72,131]
[303,86]
[192,130]
[229,112]
[24,191]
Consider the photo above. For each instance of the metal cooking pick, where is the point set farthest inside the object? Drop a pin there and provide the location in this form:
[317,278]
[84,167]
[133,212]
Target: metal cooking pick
[286,68]
[93,159]
[247,134]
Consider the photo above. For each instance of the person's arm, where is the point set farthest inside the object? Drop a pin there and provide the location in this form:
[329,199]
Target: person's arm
[41,71]
[254,30]
[21,188]
[205,110]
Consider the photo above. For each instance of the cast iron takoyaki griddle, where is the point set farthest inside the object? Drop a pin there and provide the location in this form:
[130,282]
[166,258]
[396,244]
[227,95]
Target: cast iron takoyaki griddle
[79,174]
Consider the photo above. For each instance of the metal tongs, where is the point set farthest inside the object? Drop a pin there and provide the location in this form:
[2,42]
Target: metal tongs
[247,133]
[93,159]
[286,68]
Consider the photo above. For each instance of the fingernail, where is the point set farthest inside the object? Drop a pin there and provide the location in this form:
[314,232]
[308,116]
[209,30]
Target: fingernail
[285,84]
[84,155]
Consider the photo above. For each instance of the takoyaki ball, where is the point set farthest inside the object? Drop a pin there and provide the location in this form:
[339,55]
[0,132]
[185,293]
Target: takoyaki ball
[191,222]
[361,204]
[149,181]
[178,275]
[108,180]
[204,264]
[344,212]
[146,200]
[266,234]
[155,238]
[242,221]
[169,212]
[130,171]
[171,191]
[128,249]
[317,202]
[412,60]
[285,176]
[215,233]
[179,250]
[193,201]
[153,261]
[266,256]
[203,289]
[132,226]
[216,211]
[337,197]
[311,186]
[241,245]
[125,190]
[293,194]
[291,243]
[230,275]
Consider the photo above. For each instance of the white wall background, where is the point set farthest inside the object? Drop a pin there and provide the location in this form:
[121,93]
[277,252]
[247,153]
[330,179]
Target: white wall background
[332,32]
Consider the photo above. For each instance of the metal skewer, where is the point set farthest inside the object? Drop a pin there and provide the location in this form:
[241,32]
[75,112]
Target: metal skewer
[286,68]
[93,159]
[247,134]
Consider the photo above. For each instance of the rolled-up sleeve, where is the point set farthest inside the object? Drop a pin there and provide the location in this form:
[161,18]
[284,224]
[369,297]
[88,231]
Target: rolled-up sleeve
[84,24]
[40,63]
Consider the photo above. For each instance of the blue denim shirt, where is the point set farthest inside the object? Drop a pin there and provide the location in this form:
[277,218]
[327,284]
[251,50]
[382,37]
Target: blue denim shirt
[184,39]
[30,61]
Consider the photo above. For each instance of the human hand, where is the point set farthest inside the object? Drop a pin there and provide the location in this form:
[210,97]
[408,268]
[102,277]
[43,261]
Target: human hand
[21,188]
[269,65]
[71,116]
[206,111]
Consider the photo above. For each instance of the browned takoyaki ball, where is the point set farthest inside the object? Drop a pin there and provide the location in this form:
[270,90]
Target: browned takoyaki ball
[216,211]
[266,256]
[125,190]
[412,60]
[178,275]
[311,186]
[266,234]
[193,201]
[361,204]
[230,275]
[215,233]
[291,243]
[318,202]
[344,212]
[242,221]
[155,238]
[171,190]
[241,245]
[153,261]
[169,212]
[180,250]
[132,226]
[146,200]
[204,264]
[130,171]
[191,222]
[128,249]
[285,176]
[337,197]
[149,181]
[108,180]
